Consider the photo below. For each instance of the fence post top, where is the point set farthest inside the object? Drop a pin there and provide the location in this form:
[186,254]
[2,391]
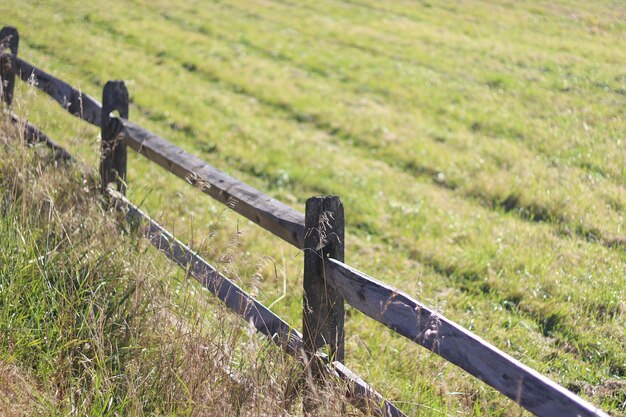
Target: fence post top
[114,83]
[324,197]
[324,203]
[114,97]
[9,38]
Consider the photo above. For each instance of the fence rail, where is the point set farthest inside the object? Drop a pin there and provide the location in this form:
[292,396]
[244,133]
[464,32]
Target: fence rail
[381,302]
[74,101]
[33,135]
[271,214]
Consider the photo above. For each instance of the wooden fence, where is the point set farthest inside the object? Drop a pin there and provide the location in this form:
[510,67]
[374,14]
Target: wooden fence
[319,232]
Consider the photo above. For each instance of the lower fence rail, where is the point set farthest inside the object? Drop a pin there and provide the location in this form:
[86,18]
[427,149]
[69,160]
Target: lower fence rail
[361,394]
[32,136]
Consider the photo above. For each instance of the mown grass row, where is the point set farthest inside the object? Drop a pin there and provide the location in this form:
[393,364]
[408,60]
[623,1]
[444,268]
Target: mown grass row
[410,102]
[437,183]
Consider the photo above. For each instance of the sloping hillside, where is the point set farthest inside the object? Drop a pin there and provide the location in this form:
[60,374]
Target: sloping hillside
[478,149]
[94,323]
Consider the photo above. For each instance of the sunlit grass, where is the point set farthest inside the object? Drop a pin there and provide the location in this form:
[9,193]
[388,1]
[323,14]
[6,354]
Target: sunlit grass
[478,149]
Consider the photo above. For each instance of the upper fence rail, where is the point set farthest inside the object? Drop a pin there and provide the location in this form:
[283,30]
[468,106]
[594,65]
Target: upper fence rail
[383,303]
[74,101]
[271,214]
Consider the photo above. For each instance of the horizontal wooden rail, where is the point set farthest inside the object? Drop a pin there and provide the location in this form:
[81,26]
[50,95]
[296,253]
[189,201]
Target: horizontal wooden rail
[271,214]
[412,319]
[74,101]
[263,319]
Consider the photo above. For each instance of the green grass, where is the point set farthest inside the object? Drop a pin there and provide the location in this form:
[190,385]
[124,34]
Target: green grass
[478,149]
[94,322]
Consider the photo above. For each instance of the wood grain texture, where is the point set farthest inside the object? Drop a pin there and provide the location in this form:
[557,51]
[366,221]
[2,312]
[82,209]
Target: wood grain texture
[74,101]
[271,214]
[322,308]
[9,39]
[410,318]
[112,147]
[323,312]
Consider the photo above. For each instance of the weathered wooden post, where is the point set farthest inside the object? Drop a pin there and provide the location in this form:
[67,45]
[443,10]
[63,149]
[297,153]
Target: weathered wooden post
[113,156]
[9,38]
[323,310]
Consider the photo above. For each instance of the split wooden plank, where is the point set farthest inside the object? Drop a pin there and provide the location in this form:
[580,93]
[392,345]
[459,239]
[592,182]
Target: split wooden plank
[412,319]
[74,101]
[274,216]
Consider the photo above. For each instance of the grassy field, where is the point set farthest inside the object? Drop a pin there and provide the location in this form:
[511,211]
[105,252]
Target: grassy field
[479,149]
[105,327]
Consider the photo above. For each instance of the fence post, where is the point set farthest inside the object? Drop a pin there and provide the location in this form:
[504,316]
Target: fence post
[113,156]
[323,310]
[9,38]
